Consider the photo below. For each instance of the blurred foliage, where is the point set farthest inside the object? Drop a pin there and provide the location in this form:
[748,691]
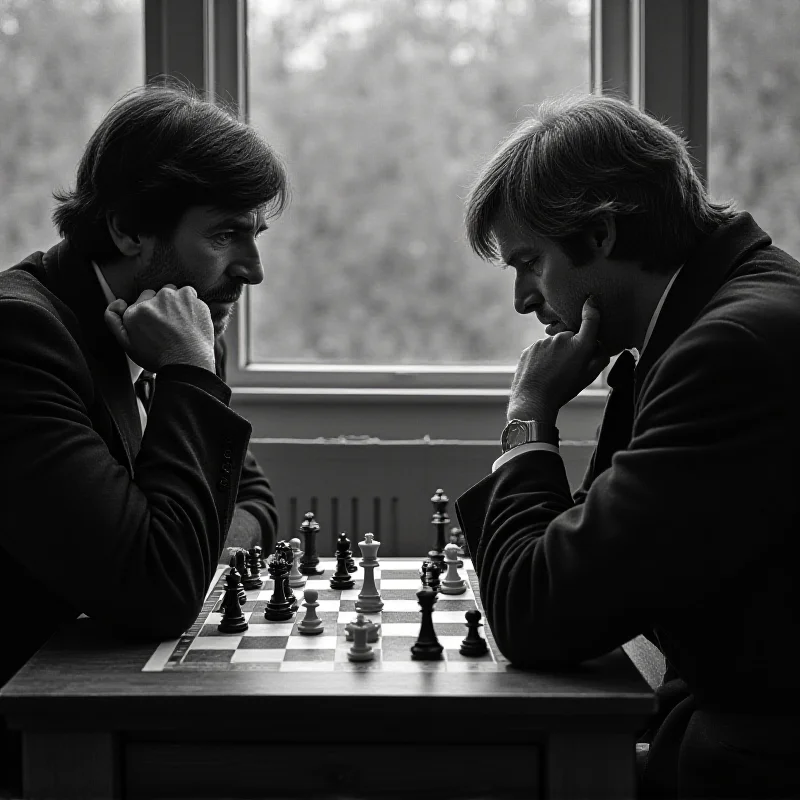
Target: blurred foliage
[383,110]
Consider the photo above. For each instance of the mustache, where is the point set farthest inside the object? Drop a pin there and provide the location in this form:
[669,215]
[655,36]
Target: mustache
[227,297]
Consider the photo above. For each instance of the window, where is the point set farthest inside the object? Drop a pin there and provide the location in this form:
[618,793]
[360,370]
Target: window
[65,62]
[754,112]
[383,110]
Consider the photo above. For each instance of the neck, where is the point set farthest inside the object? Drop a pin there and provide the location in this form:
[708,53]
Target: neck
[645,296]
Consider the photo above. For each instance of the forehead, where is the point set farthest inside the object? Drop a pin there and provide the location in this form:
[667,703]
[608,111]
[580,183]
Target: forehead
[201,217]
[513,240]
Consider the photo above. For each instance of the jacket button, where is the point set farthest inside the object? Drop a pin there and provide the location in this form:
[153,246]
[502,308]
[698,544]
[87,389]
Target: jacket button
[224,483]
[226,468]
[227,454]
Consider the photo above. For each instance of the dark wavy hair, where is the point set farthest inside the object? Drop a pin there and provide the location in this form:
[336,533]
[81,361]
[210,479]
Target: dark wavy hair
[161,149]
[585,156]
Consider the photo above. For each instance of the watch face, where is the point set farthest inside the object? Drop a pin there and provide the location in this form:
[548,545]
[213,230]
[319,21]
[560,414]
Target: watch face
[517,434]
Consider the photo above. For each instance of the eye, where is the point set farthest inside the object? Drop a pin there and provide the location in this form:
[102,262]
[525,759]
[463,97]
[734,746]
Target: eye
[223,237]
[532,265]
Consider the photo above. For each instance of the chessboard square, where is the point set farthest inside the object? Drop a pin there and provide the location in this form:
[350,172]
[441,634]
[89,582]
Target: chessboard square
[411,584]
[264,595]
[329,594]
[257,656]
[451,642]
[350,594]
[220,642]
[455,603]
[398,648]
[264,642]
[400,606]
[408,615]
[392,574]
[319,584]
[405,566]
[317,642]
[306,666]
[215,657]
[391,595]
[451,629]
[309,655]
[265,627]
[214,619]
[327,605]
[441,614]
[400,628]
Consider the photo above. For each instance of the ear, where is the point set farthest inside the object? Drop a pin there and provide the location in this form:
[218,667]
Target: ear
[603,235]
[128,242]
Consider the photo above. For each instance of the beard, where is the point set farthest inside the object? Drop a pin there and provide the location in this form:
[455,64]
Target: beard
[167,266]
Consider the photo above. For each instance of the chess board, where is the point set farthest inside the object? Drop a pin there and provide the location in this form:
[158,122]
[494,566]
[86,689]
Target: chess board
[277,646]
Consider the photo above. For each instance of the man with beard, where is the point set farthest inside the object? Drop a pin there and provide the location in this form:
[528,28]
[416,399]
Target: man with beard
[685,527]
[117,502]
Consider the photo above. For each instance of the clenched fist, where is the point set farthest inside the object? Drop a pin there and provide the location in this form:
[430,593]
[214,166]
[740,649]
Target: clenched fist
[552,371]
[170,326]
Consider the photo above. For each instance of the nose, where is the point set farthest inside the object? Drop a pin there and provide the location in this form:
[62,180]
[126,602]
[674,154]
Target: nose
[247,266]
[526,296]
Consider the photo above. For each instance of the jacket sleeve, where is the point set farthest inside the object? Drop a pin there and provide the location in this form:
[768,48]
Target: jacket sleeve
[255,493]
[562,583]
[154,540]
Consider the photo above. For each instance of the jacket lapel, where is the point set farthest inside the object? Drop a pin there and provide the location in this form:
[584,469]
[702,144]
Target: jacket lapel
[72,278]
[702,275]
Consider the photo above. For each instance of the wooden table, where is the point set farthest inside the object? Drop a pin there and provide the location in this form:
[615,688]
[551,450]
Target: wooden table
[94,725]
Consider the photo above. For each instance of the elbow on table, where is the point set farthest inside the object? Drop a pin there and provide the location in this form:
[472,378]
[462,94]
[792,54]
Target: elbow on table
[529,648]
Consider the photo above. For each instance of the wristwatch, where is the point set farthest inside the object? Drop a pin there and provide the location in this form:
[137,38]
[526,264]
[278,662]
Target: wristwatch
[523,431]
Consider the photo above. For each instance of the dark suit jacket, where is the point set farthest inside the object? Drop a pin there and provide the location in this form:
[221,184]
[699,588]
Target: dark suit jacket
[93,518]
[686,528]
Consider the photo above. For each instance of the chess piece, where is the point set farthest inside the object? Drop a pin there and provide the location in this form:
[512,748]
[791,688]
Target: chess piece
[351,563]
[233,620]
[457,537]
[372,635]
[278,606]
[440,521]
[261,563]
[341,578]
[288,556]
[238,561]
[474,644]
[423,572]
[253,579]
[432,576]
[311,624]
[310,559]
[453,583]
[241,595]
[427,647]
[360,650]
[296,578]
[369,599]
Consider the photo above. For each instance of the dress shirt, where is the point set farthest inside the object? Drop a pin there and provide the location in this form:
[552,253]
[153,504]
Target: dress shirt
[526,448]
[133,367]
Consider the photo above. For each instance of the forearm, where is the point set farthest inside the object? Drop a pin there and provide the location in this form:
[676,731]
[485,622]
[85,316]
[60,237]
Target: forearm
[245,531]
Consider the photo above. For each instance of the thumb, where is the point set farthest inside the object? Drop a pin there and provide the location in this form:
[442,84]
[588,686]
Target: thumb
[586,337]
[113,319]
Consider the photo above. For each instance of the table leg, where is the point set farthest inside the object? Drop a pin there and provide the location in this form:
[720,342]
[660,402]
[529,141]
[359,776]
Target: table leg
[69,765]
[592,766]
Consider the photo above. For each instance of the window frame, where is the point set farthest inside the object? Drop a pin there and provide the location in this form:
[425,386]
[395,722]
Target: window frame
[653,51]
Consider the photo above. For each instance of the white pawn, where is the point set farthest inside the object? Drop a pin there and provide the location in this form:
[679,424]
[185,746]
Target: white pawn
[311,624]
[453,583]
[296,578]
[360,651]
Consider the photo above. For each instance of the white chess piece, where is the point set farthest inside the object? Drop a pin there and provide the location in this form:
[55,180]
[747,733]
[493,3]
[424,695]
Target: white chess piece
[372,636]
[296,578]
[311,624]
[360,651]
[369,599]
[453,583]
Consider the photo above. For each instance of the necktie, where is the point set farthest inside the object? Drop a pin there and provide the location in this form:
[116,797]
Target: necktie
[617,425]
[144,387]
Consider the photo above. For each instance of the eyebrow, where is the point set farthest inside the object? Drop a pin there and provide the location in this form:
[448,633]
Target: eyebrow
[514,255]
[242,222]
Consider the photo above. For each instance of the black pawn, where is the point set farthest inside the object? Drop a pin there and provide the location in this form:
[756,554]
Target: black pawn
[241,568]
[423,572]
[241,595]
[253,579]
[427,647]
[309,560]
[351,562]
[432,576]
[290,595]
[474,644]
[278,607]
[261,563]
[233,620]
[341,578]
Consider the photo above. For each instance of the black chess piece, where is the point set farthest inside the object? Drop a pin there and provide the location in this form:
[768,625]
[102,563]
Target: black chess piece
[240,592]
[278,606]
[432,576]
[238,561]
[423,572]
[261,563]
[440,521]
[341,578]
[351,562]
[474,644]
[427,647]
[253,579]
[310,559]
[233,620]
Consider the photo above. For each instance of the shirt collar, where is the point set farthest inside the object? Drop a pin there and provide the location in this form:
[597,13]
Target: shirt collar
[134,368]
[656,313]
